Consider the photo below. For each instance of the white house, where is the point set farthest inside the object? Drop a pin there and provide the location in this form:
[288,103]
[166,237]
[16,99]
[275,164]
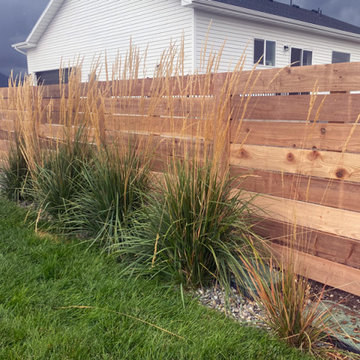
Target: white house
[277,33]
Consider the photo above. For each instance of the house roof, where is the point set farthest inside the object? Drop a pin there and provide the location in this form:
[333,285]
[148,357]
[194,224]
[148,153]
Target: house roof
[293,12]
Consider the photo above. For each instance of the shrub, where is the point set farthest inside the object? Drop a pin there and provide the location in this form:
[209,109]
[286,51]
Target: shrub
[191,229]
[112,190]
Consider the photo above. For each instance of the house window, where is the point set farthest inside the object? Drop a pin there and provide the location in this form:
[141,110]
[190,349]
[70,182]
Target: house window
[307,57]
[300,57]
[52,77]
[340,57]
[264,52]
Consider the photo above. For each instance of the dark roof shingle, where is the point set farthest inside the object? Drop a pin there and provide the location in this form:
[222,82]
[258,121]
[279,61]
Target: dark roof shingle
[293,12]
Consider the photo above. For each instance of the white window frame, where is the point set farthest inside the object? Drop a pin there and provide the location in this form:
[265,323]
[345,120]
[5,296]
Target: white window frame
[264,53]
[302,55]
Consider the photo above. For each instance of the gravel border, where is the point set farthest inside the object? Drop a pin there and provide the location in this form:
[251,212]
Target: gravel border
[238,307]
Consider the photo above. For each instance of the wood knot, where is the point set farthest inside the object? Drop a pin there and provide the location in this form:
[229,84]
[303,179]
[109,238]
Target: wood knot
[244,154]
[323,130]
[247,130]
[314,155]
[290,157]
[340,173]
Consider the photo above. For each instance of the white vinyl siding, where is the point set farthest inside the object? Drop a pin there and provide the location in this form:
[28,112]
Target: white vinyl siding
[85,29]
[239,35]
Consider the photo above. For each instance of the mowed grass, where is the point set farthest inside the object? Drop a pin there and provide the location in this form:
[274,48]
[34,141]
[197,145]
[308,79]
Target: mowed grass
[41,274]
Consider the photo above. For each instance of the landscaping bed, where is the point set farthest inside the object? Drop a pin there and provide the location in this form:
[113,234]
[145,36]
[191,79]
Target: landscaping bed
[42,276]
[341,297]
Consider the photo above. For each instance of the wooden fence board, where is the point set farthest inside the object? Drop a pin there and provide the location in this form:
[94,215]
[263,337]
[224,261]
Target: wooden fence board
[5,145]
[338,108]
[53,91]
[165,145]
[327,219]
[47,104]
[56,103]
[142,87]
[333,193]
[7,125]
[4,135]
[118,121]
[155,125]
[326,164]
[327,246]
[14,115]
[322,270]
[167,106]
[4,93]
[184,85]
[57,117]
[3,156]
[329,77]
[8,115]
[321,136]
[58,131]
[7,104]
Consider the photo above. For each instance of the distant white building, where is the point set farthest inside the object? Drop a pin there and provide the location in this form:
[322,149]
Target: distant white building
[278,33]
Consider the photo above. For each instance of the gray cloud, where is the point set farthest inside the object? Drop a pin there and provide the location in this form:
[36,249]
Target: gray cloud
[345,10]
[17,17]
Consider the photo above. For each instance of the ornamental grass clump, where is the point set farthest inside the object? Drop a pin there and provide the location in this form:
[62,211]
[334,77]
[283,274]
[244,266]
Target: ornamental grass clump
[56,181]
[14,174]
[191,229]
[111,191]
[290,309]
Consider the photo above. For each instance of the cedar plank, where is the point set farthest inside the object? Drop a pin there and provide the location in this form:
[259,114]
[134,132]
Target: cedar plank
[328,77]
[325,164]
[339,107]
[327,272]
[334,193]
[298,135]
[318,243]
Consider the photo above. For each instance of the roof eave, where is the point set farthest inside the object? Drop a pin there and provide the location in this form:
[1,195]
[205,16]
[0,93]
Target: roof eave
[22,47]
[45,18]
[40,26]
[218,7]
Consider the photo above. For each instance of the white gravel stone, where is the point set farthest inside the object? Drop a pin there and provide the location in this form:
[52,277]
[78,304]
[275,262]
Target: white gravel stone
[238,306]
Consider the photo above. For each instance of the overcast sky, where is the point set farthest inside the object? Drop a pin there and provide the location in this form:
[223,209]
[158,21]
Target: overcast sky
[17,17]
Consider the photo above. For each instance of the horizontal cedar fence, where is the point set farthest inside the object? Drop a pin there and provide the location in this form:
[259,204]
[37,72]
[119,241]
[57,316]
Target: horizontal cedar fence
[302,151]
[294,138]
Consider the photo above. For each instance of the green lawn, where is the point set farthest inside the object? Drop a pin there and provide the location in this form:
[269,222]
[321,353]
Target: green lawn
[39,275]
